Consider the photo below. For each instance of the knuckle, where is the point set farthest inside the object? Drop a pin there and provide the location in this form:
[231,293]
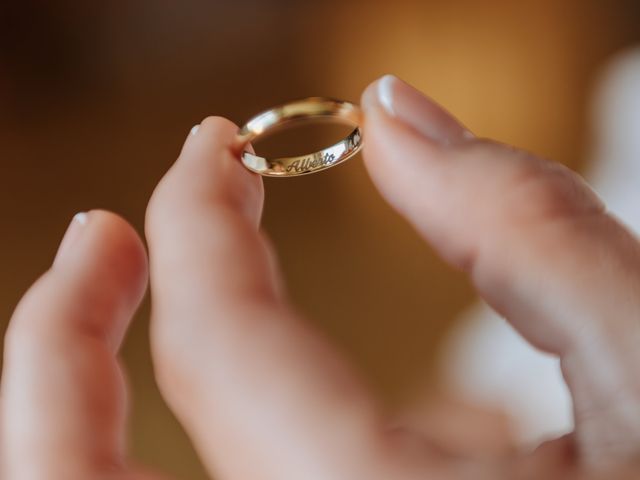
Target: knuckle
[177,363]
[544,190]
[163,206]
[168,370]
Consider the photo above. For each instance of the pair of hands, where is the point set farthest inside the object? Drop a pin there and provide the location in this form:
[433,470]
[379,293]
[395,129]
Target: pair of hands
[265,397]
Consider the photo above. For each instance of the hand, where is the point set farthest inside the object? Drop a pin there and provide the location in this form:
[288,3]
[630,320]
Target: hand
[264,396]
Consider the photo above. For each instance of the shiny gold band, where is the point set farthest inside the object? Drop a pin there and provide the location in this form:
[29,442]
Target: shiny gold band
[309,108]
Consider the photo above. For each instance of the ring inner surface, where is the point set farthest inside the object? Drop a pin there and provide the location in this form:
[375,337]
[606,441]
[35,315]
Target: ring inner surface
[309,163]
[315,109]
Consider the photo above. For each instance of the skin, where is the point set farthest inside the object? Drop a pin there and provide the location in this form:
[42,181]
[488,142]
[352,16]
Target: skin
[260,392]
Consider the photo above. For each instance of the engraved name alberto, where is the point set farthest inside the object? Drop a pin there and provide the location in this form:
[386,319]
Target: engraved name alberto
[311,163]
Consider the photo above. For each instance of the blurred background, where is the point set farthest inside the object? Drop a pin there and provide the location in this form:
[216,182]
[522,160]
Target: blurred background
[96,99]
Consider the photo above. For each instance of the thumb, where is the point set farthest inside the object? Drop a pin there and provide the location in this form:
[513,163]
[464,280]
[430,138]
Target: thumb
[536,242]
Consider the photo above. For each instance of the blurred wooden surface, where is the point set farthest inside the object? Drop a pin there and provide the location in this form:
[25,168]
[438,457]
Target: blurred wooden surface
[96,99]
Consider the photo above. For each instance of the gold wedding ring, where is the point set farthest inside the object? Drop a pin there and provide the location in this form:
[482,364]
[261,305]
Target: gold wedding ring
[294,112]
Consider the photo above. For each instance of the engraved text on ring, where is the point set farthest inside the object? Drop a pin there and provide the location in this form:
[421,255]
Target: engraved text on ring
[311,163]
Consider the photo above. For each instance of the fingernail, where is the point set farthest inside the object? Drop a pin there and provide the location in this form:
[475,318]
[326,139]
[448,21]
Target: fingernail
[74,231]
[404,103]
[194,130]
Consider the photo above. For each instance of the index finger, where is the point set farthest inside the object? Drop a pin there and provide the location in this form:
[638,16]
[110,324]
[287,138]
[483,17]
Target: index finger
[262,394]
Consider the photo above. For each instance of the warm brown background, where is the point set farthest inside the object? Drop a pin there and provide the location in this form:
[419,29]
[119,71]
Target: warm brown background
[97,97]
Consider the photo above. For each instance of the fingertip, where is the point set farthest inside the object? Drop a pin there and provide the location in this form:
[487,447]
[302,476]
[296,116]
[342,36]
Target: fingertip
[407,105]
[220,128]
[368,96]
[225,133]
[102,237]
[409,135]
[124,249]
[105,265]
[207,177]
[397,158]
[212,130]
